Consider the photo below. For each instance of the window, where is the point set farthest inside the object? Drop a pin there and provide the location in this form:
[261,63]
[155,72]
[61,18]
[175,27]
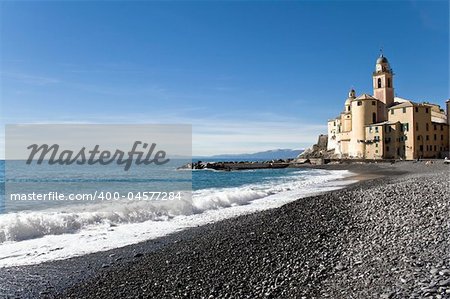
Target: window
[379,82]
[417,126]
[376,129]
[359,103]
[390,129]
[426,110]
[435,128]
[442,127]
[427,127]
[435,148]
[418,137]
[373,103]
[428,138]
[389,82]
[387,148]
[348,108]
[392,111]
[442,137]
[435,137]
[374,118]
[370,129]
[376,144]
[417,109]
[376,151]
[404,110]
[421,148]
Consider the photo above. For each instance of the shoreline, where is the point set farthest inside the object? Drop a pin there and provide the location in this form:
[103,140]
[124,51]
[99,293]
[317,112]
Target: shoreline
[211,206]
[86,276]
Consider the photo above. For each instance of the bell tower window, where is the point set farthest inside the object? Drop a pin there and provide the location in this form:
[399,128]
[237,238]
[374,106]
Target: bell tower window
[374,117]
[379,82]
[389,82]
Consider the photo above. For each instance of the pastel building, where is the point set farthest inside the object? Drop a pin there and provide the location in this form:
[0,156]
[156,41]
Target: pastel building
[384,126]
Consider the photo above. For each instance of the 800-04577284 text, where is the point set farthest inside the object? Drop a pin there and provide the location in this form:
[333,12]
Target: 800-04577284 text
[97,195]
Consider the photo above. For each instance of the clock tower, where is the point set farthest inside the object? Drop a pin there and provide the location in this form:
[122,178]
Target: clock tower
[383,85]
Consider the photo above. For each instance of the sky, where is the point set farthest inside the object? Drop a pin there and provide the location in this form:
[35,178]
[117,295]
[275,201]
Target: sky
[248,75]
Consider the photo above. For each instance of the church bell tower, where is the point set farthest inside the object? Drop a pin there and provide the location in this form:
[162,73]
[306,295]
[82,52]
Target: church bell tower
[383,85]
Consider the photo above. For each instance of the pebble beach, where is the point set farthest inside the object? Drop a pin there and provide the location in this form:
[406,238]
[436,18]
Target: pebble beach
[387,236]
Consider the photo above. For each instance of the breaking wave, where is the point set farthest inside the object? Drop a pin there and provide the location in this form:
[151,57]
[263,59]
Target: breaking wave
[27,225]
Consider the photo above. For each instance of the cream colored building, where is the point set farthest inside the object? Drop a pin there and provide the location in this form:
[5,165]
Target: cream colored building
[383,126]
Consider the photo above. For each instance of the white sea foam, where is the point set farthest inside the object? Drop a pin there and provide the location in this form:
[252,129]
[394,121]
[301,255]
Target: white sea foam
[34,237]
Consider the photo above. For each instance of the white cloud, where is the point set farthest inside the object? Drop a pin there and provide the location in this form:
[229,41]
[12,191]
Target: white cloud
[219,134]
[250,136]
[30,79]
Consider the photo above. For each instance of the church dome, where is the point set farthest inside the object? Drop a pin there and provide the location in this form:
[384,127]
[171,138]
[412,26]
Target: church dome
[382,59]
[352,94]
[348,102]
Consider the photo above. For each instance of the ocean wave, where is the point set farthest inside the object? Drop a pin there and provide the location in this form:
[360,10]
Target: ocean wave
[26,225]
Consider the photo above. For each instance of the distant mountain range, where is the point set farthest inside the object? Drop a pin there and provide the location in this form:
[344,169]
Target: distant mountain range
[266,155]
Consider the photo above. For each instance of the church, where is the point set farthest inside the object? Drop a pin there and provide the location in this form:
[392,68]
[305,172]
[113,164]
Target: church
[383,126]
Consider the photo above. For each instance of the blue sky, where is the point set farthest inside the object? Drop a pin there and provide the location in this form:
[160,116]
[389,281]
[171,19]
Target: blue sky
[248,76]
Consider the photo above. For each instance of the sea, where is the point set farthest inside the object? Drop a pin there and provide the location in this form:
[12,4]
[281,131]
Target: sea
[32,233]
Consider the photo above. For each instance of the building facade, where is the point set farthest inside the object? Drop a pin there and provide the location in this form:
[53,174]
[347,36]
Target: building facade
[383,126]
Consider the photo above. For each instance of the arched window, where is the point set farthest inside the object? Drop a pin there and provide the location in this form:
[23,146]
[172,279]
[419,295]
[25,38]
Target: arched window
[379,82]
[374,117]
[389,82]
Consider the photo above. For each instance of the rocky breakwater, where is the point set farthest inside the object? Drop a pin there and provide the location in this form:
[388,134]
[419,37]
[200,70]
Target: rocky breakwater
[236,165]
[317,154]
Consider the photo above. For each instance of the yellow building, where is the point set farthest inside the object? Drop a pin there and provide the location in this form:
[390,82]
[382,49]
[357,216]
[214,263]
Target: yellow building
[383,126]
